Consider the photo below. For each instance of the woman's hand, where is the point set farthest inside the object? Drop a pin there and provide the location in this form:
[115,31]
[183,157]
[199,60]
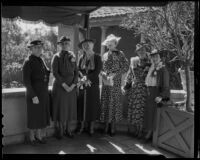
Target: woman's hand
[158,99]
[66,87]
[35,100]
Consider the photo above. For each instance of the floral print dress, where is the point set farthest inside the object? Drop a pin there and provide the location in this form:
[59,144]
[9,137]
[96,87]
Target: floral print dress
[111,104]
[137,92]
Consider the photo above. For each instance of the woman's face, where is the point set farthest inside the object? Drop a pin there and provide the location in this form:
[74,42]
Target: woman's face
[88,46]
[37,50]
[111,44]
[65,45]
[155,58]
[142,53]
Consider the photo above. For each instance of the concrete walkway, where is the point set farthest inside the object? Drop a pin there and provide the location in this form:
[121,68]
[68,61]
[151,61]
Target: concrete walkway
[83,144]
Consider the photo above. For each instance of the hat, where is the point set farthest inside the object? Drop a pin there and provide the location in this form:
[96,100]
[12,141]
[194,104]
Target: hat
[110,38]
[63,39]
[140,46]
[86,40]
[154,52]
[34,43]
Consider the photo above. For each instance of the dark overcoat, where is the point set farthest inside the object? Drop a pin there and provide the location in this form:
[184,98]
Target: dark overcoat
[36,78]
[64,104]
[162,90]
[92,108]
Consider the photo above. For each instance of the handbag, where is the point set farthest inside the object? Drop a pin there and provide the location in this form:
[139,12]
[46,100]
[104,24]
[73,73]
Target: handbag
[107,81]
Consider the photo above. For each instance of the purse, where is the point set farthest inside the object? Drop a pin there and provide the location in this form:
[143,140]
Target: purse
[108,81]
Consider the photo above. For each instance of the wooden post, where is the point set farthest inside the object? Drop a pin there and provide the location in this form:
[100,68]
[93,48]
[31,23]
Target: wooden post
[103,37]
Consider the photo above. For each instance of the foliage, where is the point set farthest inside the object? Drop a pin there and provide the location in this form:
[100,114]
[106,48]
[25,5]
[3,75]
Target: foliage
[170,28]
[14,50]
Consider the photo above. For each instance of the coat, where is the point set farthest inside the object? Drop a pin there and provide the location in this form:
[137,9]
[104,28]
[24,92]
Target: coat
[160,90]
[92,110]
[36,78]
[64,104]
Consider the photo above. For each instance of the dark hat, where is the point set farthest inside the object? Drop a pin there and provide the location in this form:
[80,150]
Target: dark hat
[63,39]
[86,40]
[35,43]
[141,45]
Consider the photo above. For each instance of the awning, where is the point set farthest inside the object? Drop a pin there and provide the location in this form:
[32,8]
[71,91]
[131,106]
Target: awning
[52,15]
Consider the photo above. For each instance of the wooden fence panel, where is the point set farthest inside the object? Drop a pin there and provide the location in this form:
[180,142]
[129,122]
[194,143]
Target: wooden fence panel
[175,131]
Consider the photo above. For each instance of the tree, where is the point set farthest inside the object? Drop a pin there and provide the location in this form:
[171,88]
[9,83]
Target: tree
[171,28]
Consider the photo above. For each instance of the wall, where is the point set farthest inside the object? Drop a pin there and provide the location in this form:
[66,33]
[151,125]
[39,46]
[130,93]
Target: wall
[14,116]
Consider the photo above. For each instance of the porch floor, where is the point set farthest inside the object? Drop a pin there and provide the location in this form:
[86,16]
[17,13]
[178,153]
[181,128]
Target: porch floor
[121,143]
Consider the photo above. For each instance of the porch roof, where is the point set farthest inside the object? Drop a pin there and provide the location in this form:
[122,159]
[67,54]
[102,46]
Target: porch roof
[51,15]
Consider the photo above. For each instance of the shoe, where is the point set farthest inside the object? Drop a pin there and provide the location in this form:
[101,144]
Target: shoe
[32,142]
[69,134]
[41,141]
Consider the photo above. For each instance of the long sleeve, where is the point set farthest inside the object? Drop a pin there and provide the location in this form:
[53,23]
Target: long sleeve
[165,89]
[76,74]
[54,66]
[124,65]
[129,79]
[96,71]
[27,79]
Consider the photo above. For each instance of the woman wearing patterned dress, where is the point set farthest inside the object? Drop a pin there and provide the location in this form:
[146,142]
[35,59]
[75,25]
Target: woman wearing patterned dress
[136,90]
[114,65]
[64,96]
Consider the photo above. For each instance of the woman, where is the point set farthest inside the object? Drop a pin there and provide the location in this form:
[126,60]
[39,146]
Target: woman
[115,65]
[157,81]
[136,89]
[36,78]
[90,65]
[64,92]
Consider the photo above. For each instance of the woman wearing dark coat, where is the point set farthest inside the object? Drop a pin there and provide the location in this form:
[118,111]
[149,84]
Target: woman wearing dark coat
[64,97]
[36,78]
[89,65]
[157,82]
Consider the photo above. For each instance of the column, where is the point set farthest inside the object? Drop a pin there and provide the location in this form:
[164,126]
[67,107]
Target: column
[103,37]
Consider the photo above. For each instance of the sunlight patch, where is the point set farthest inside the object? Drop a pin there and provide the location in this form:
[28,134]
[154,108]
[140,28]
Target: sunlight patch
[117,147]
[147,151]
[91,148]
[62,152]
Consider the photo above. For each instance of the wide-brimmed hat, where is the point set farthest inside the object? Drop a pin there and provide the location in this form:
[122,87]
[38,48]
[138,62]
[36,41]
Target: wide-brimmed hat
[84,41]
[141,45]
[63,39]
[154,52]
[34,43]
[110,38]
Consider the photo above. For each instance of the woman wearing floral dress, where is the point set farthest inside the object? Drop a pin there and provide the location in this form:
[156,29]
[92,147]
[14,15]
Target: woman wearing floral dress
[114,65]
[136,89]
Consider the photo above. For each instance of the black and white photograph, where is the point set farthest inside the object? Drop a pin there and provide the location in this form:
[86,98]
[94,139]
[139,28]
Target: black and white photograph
[100,78]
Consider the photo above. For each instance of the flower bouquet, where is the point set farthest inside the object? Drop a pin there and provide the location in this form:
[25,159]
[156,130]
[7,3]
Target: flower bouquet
[83,82]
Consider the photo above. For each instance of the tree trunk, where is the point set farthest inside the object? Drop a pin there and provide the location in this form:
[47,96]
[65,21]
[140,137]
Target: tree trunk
[188,88]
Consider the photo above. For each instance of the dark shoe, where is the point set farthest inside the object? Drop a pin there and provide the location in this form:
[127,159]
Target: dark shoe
[41,141]
[69,134]
[112,133]
[32,142]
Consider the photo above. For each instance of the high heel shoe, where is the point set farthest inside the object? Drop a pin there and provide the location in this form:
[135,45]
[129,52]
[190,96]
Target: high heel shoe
[41,141]
[69,134]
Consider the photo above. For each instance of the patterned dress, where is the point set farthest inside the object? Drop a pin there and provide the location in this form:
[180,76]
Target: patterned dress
[111,104]
[137,93]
